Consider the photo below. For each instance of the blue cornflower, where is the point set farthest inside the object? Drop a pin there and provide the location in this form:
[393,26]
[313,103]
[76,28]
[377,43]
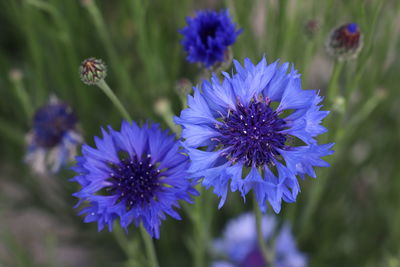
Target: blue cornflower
[258,127]
[208,36]
[137,175]
[54,137]
[240,246]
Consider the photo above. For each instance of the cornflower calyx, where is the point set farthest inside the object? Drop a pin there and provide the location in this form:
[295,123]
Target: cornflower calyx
[92,71]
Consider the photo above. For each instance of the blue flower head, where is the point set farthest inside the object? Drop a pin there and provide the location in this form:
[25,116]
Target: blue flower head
[137,175]
[207,36]
[54,137]
[259,128]
[240,247]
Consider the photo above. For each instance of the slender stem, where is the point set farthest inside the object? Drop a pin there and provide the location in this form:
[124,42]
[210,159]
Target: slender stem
[11,132]
[150,250]
[114,99]
[268,256]
[316,191]
[121,239]
[21,93]
[282,22]
[199,227]
[333,87]
[307,58]
[123,80]
[162,107]
[183,99]
[341,137]
[105,38]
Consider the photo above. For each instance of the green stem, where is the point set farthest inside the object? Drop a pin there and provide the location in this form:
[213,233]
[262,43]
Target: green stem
[318,188]
[35,52]
[22,95]
[281,21]
[341,137]
[198,248]
[121,239]
[129,246]
[11,132]
[150,250]
[123,77]
[114,99]
[307,58]
[162,107]
[268,256]
[333,87]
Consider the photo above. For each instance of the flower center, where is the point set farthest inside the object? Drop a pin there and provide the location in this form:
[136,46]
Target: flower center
[251,134]
[51,122]
[135,181]
[254,259]
[208,31]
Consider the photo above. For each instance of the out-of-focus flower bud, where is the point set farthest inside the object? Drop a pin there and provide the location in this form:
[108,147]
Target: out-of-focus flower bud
[345,42]
[183,87]
[15,75]
[311,28]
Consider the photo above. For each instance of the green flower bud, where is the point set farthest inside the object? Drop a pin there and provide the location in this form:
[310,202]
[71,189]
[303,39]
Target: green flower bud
[92,71]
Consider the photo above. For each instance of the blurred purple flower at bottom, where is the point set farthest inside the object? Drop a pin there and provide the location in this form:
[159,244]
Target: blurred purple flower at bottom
[239,244]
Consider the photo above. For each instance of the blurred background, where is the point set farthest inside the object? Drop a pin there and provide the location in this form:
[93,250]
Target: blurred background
[348,216]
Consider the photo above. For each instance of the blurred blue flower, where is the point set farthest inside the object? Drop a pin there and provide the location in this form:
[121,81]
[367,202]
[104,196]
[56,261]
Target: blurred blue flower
[54,138]
[137,175]
[258,128]
[208,36]
[240,246]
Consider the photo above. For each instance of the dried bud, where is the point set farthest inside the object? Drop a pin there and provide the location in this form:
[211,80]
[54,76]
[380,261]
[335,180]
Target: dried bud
[15,74]
[345,42]
[92,71]
[162,106]
[86,2]
[311,28]
[183,87]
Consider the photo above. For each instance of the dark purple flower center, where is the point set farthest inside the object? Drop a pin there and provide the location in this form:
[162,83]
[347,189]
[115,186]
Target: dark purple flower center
[51,122]
[253,259]
[135,180]
[208,30]
[250,134]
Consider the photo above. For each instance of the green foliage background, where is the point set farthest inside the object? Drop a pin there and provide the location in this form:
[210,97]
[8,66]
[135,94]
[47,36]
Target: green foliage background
[348,216]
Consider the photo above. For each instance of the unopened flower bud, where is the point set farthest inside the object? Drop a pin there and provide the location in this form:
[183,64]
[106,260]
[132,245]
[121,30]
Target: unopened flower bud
[311,28]
[183,87]
[15,74]
[92,71]
[345,42]
[162,106]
